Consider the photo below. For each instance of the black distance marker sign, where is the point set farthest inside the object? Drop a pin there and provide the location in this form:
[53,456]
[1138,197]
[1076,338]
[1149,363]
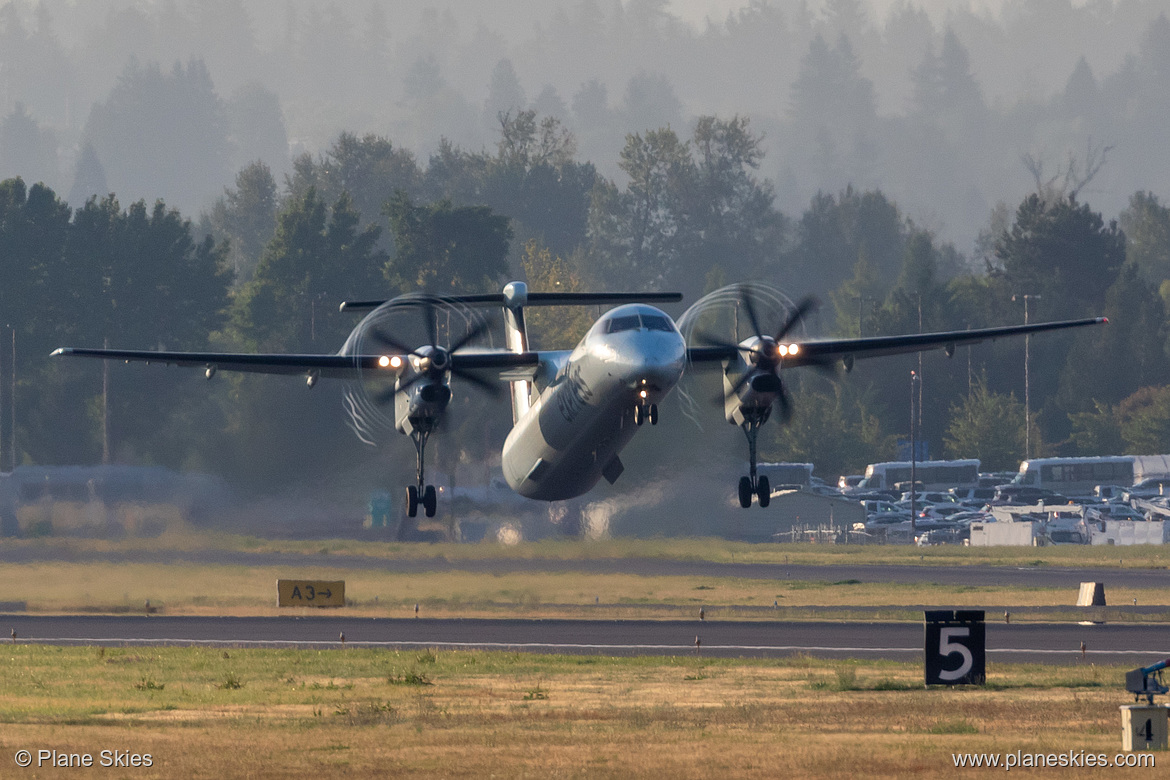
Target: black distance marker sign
[955,647]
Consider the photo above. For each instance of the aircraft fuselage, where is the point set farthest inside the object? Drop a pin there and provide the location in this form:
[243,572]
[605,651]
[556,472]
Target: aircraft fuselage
[574,430]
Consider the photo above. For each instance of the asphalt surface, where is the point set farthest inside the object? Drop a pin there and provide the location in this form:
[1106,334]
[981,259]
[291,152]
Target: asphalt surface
[1050,643]
[1005,576]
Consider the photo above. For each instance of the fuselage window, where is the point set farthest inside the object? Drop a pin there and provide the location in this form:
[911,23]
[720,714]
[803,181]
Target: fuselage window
[619,324]
[656,322]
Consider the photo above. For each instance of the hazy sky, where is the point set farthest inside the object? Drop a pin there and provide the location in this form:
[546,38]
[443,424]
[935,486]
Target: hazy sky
[695,11]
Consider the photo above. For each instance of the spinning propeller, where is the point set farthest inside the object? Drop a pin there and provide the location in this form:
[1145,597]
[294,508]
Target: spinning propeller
[765,352]
[431,361]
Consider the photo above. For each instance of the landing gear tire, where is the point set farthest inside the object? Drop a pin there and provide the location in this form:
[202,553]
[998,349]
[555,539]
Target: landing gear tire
[653,414]
[411,501]
[429,500]
[639,415]
[763,492]
[745,492]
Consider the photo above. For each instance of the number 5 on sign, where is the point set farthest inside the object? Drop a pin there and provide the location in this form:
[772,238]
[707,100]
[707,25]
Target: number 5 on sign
[948,648]
[955,651]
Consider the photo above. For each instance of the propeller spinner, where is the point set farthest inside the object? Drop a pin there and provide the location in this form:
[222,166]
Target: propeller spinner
[431,362]
[764,353]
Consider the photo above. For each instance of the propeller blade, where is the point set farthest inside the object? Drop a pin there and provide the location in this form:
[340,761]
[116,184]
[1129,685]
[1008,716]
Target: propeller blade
[804,307]
[480,328]
[745,296]
[386,339]
[491,388]
[743,380]
[711,340]
[784,404]
[421,375]
[429,312]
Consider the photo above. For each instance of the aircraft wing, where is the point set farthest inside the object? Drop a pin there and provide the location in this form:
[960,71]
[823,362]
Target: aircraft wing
[825,352]
[333,366]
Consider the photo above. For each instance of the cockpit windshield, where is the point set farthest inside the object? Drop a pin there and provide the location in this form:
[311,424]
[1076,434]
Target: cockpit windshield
[656,322]
[635,321]
[619,324]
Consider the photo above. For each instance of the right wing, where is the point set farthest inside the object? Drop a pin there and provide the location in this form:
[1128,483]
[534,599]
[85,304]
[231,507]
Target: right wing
[825,352]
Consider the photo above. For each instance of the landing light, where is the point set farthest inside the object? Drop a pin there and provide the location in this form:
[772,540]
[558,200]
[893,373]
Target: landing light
[384,361]
[643,394]
[793,349]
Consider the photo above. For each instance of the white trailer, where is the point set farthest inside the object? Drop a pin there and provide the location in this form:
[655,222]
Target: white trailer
[1018,534]
[1124,533]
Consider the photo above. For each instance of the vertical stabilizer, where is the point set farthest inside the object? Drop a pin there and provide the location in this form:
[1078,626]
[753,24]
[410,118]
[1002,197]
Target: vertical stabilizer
[515,299]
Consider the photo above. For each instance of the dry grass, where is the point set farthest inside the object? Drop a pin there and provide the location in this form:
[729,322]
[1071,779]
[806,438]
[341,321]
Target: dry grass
[184,589]
[340,713]
[181,537]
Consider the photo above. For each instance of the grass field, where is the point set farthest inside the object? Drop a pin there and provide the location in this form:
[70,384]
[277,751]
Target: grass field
[206,713]
[209,589]
[181,538]
[91,575]
[214,713]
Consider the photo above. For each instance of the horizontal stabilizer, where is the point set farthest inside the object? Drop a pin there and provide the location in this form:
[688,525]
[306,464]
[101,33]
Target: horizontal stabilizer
[539,299]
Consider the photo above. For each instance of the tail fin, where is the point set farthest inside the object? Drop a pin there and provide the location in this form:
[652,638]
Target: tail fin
[515,298]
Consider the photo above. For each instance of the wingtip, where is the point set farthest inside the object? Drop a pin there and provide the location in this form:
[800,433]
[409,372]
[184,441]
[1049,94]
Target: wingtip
[60,351]
[1104,320]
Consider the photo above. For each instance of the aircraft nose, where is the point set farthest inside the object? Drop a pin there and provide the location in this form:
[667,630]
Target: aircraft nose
[658,361]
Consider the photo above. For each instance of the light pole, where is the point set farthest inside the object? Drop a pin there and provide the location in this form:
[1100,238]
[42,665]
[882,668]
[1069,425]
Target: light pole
[914,379]
[1027,383]
[919,294]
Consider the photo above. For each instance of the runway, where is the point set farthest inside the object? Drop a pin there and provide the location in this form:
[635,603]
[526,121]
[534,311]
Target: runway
[1059,643]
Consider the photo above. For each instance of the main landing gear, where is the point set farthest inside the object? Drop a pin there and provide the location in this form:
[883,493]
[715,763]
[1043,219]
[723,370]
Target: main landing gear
[420,494]
[644,412]
[752,485]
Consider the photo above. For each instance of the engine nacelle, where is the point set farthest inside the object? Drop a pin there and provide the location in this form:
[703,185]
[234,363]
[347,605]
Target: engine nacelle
[754,397]
[421,405]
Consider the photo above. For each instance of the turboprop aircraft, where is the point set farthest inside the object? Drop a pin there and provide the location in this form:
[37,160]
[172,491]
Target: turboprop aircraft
[573,411]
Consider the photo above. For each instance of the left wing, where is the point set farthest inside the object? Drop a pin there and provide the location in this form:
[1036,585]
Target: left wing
[825,352]
[334,366]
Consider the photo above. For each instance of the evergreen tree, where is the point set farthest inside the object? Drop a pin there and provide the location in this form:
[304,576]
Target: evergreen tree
[245,217]
[988,426]
[443,248]
[1144,420]
[318,257]
[26,149]
[163,133]
[1146,223]
[1063,250]
[89,177]
[505,95]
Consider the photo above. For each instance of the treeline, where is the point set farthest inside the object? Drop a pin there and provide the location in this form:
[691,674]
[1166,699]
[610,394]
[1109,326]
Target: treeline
[265,268]
[934,108]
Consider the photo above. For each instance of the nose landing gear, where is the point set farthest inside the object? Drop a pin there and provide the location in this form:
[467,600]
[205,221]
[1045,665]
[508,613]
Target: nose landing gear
[644,412]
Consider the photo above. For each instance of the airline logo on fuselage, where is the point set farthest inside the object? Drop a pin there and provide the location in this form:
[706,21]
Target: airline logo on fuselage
[573,393]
